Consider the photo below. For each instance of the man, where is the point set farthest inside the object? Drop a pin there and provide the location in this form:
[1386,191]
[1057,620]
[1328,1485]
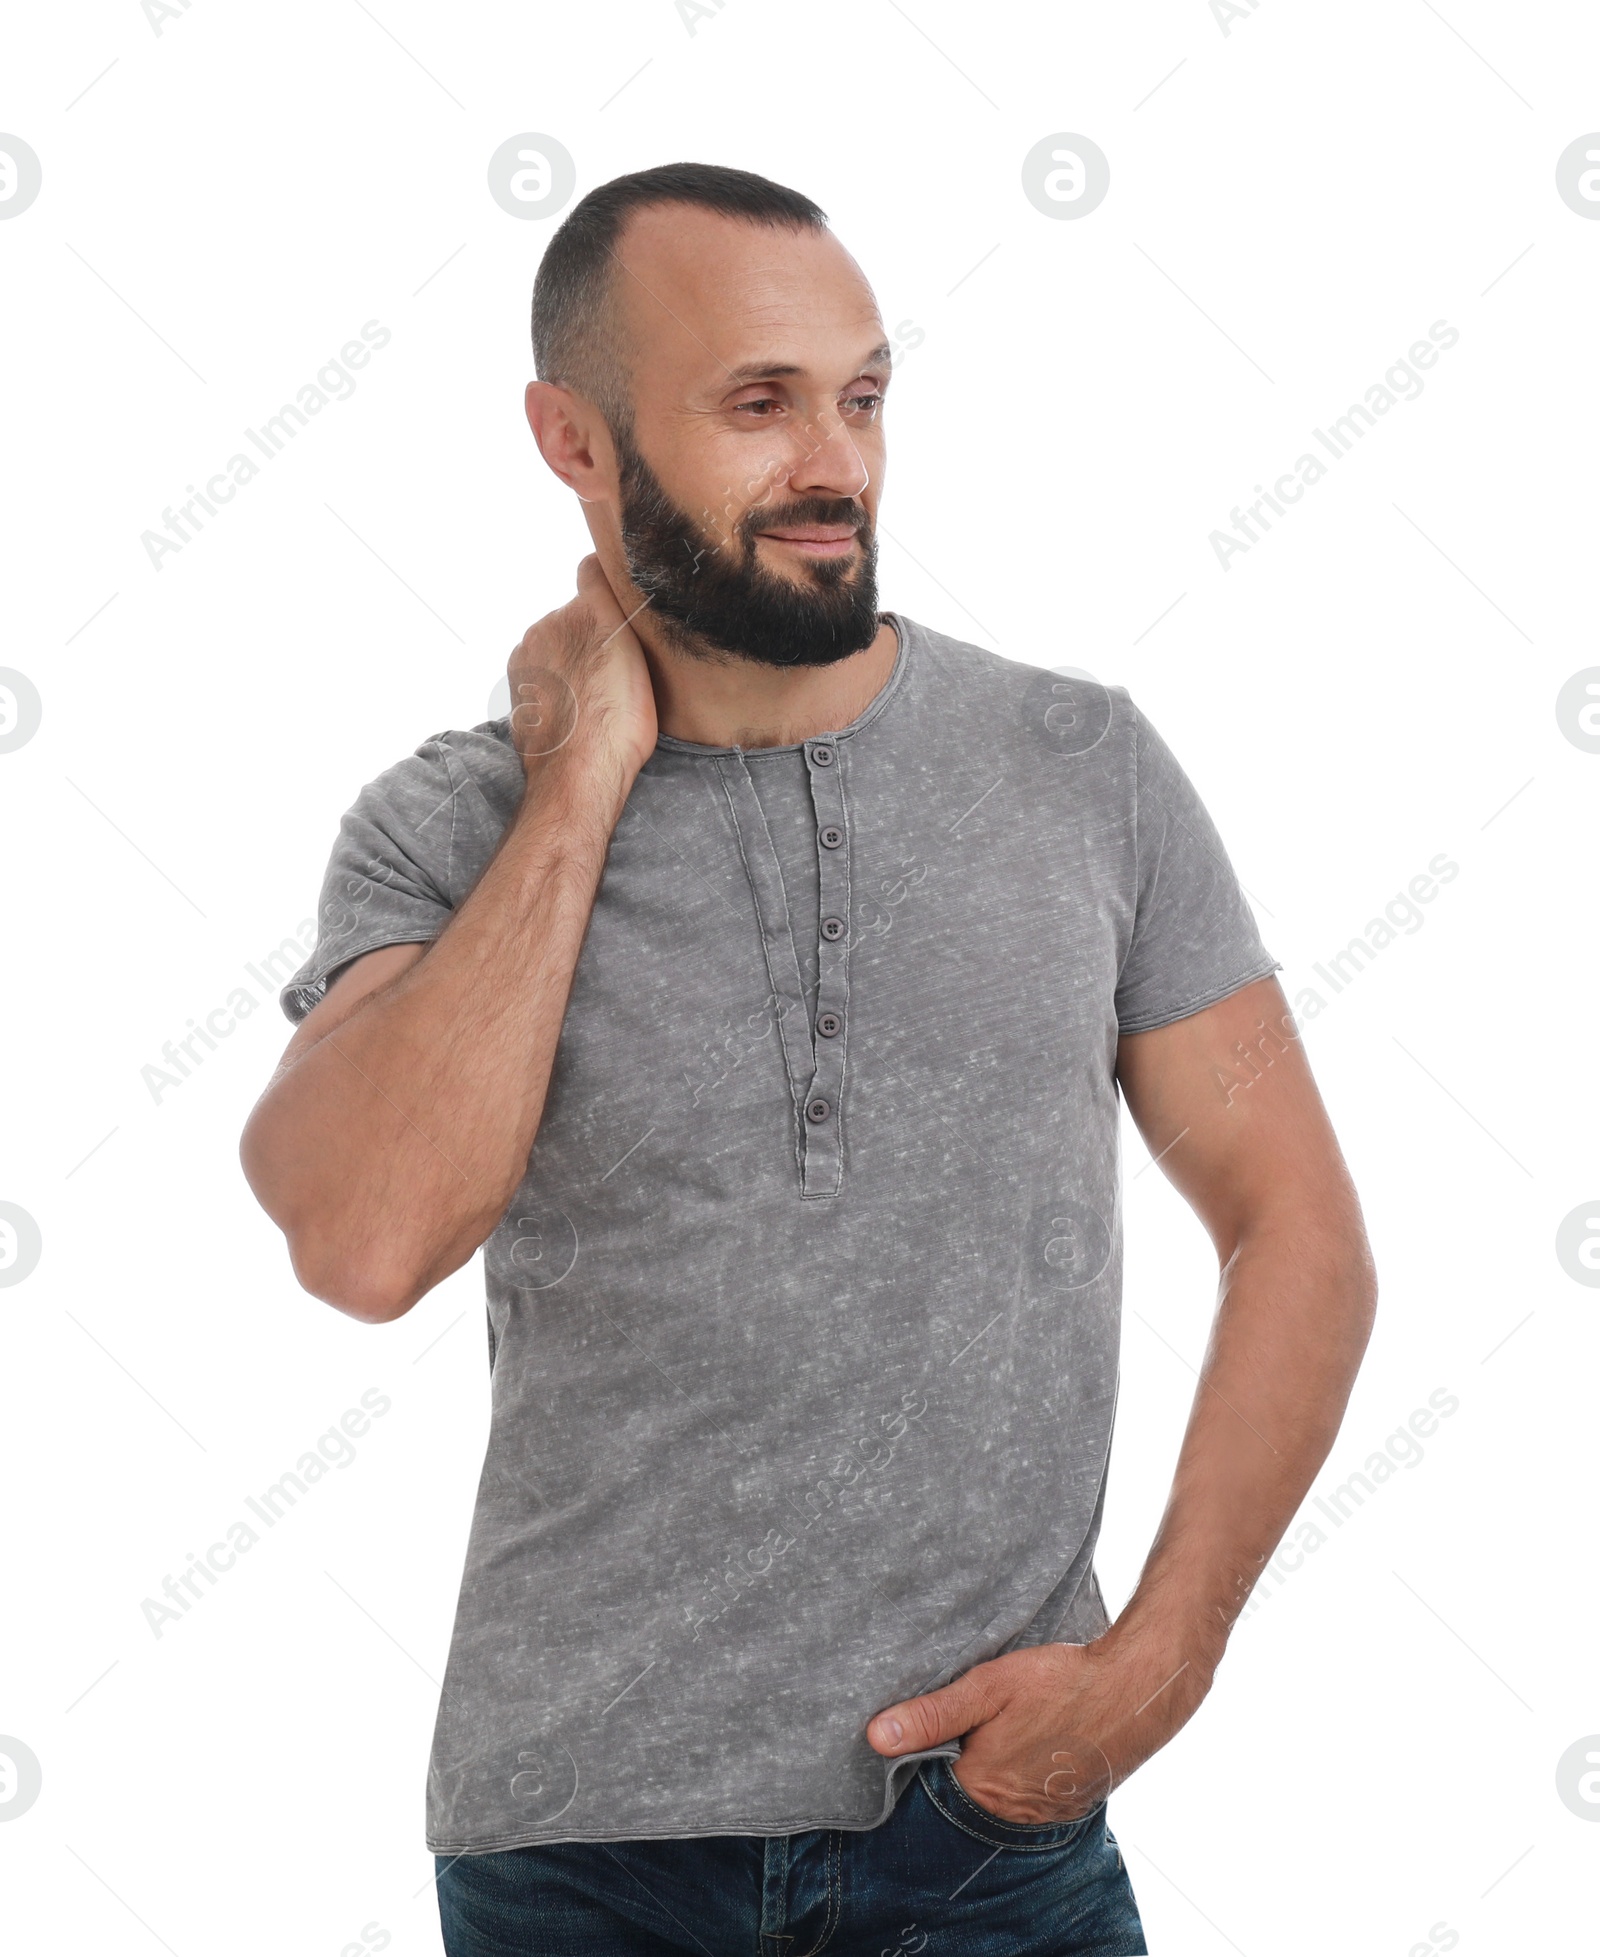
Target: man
[759,994]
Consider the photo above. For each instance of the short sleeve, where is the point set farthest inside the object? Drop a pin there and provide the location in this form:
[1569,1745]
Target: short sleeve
[389,875]
[1194,937]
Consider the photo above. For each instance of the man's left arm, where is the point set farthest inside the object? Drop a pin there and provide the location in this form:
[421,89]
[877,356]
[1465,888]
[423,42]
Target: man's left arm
[1226,1102]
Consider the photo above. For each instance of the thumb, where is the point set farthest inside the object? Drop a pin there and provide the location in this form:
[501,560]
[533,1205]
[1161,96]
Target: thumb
[594,588]
[933,1717]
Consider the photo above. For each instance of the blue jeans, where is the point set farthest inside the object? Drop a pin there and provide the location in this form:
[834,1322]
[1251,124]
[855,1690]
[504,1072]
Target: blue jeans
[941,1874]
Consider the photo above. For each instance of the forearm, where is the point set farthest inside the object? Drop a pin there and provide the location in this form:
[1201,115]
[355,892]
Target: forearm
[389,1149]
[1295,1310]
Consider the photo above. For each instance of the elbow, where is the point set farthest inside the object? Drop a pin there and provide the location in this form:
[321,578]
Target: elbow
[1349,1250]
[355,1286]
[1365,1281]
[335,1266]
[359,1283]
[1328,1251]
[361,1287]
[1343,1260]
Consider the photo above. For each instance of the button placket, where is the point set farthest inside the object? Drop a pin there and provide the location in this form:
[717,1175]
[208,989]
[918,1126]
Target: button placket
[822,1148]
[777,937]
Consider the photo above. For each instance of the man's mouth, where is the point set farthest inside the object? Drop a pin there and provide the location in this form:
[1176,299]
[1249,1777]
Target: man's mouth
[814,539]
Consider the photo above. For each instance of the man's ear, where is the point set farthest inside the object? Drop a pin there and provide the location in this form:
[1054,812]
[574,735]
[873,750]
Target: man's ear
[573,439]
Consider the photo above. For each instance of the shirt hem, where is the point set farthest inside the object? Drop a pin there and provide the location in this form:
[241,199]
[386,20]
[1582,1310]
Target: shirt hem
[785,1825]
[1148,1022]
[314,986]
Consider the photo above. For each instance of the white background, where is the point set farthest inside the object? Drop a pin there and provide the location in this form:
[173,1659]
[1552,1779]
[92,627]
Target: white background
[1372,684]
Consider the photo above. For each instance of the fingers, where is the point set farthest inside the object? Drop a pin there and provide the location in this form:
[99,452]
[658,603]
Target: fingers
[916,1724]
[596,592]
[572,638]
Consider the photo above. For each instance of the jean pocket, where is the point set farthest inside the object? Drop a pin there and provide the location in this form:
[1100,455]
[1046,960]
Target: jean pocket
[962,1811]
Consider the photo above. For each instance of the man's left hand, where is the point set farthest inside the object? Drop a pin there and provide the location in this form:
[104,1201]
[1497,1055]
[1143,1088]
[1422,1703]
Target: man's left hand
[1049,1731]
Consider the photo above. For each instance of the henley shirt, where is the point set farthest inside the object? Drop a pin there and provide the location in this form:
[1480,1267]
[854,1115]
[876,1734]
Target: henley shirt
[803,1325]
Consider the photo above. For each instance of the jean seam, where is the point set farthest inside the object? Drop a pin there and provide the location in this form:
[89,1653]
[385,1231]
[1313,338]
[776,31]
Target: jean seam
[834,1864]
[1061,1832]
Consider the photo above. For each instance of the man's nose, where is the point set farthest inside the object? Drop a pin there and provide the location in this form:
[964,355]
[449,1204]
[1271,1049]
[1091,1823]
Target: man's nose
[830,463]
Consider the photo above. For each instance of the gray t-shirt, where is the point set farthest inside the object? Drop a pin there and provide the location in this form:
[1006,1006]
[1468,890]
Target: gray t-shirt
[804,1322]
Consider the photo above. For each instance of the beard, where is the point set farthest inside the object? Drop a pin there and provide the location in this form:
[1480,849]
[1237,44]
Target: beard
[718,598]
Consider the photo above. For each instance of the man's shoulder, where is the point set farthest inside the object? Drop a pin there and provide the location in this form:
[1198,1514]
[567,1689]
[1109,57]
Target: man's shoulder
[1044,703]
[477,764]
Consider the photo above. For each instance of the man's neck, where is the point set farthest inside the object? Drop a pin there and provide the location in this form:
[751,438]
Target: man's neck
[733,702]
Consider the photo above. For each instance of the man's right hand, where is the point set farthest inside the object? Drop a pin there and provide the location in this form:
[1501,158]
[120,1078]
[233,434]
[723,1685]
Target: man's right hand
[399,1125]
[580,684]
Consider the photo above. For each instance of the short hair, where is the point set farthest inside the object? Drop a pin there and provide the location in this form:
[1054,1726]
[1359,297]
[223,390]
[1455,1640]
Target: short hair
[577,337]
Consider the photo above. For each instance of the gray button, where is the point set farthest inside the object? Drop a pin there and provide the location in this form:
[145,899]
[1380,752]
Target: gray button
[817,1110]
[831,837]
[823,756]
[828,1025]
[833,929]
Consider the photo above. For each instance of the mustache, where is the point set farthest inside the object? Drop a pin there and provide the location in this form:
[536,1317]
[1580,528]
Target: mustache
[803,510]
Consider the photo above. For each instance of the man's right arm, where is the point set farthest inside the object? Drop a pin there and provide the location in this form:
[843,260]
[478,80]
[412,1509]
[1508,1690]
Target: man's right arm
[399,1123]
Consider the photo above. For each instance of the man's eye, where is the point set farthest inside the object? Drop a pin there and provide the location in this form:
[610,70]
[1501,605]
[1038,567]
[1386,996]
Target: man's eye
[870,403]
[750,407]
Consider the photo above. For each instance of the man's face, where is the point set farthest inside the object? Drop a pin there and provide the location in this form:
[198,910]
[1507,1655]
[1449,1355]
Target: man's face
[749,486]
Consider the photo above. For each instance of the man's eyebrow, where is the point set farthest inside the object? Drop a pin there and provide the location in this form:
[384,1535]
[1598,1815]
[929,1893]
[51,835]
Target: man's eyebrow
[767,370]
